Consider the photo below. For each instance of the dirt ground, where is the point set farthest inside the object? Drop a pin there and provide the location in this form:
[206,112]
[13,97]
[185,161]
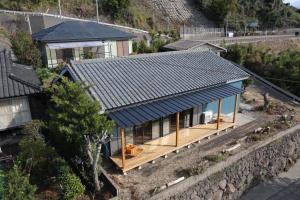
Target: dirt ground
[139,184]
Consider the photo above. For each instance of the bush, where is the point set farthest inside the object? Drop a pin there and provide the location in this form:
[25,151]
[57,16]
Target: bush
[25,49]
[72,187]
[217,158]
[44,165]
[18,186]
[1,184]
[115,8]
[36,156]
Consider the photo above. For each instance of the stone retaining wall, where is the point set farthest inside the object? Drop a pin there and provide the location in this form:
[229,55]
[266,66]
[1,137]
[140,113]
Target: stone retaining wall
[229,179]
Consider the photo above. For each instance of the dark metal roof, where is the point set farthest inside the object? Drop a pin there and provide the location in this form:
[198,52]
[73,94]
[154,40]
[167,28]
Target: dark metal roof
[138,79]
[162,108]
[15,79]
[72,31]
[190,45]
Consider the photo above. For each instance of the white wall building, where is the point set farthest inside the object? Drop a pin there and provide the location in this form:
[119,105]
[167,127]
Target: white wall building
[76,40]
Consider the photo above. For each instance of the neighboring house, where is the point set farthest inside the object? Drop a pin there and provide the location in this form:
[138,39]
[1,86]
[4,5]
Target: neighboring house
[77,40]
[194,45]
[161,102]
[17,84]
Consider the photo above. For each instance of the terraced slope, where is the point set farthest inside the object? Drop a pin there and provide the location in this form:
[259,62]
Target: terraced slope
[182,11]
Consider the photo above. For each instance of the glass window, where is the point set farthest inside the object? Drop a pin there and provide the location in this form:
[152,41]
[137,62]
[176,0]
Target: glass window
[166,126]
[155,129]
[129,135]
[172,123]
[93,52]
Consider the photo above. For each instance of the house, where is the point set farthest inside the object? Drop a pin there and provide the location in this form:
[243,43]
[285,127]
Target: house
[162,102]
[194,45]
[17,84]
[77,40]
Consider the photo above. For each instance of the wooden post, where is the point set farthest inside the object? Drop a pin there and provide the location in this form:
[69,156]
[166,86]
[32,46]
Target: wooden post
[235,108]
[123,147]
[177,129]
[219,113]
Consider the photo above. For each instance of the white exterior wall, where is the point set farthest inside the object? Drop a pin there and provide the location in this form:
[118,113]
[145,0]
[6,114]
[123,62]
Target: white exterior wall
[111,49]
[14,112]
[130,46]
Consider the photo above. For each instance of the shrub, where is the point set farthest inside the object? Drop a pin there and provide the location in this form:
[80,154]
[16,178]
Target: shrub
[1,184]
[72,187]
[36,156]
[196,170]
[25,49]
[217,158]
[18,186]
[115,8]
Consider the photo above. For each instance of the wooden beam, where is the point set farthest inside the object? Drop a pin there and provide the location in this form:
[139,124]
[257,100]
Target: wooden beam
[219,113]
[123,147]
[177,129]
[235,108]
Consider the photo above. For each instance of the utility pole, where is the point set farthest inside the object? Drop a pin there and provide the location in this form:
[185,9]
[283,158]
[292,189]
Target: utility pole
[59,7]
[97,9]
[27,19]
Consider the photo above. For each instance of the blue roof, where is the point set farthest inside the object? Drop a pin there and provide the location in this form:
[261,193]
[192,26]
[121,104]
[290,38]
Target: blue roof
[74,31]
[151,111]
[120,82]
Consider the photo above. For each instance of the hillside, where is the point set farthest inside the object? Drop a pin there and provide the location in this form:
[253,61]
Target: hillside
[267,14]
[161,15]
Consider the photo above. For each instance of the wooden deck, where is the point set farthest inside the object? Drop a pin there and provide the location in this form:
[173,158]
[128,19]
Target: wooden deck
[167,144]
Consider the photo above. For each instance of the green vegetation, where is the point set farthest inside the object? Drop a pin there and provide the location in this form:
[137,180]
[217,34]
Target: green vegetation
[18,186]
[240,13]
[198,169]
[283,69]
[1,184]
[44,166]
[25,49]
[76,128]
[115,8]
[72,187]
[157,43]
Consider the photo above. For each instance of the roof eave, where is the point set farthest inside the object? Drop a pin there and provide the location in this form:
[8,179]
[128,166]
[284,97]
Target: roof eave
[84,40]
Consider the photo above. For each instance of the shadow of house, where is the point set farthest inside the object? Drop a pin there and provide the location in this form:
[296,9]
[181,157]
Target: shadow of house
[18,83]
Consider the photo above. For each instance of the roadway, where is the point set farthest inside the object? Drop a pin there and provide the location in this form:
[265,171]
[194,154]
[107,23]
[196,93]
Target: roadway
[286,186]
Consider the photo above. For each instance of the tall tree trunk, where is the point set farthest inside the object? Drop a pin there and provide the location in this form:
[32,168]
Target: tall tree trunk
[95,168]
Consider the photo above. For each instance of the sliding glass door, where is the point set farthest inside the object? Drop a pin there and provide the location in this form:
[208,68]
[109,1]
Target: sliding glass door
[142,133]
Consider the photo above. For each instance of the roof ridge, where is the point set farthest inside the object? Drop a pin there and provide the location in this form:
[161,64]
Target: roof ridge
[138,56]
[143,55]
[13,77]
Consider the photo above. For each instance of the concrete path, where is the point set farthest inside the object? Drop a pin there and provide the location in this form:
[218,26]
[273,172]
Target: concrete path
[284,187]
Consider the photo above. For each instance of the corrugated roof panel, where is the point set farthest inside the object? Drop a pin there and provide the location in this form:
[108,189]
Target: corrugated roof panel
[132,80]
[161,108]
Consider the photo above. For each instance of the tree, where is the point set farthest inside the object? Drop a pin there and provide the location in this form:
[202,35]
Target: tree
[25,49]
[115,7]
[18,186]
[75,122]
